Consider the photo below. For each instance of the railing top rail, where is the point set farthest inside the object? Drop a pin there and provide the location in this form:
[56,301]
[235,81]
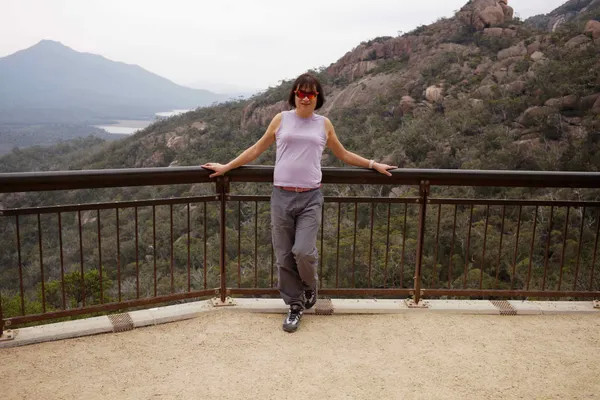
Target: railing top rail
[93,179]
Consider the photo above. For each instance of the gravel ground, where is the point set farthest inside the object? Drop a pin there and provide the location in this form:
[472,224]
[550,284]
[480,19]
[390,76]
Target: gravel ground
[235,355]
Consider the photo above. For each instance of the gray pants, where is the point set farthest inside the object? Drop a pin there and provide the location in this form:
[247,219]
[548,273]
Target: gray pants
[295,222]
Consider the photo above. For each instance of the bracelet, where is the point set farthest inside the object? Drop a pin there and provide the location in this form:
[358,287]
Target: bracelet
[371,162]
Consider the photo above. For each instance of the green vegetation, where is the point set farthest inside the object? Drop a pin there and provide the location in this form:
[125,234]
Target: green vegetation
[38,158]
[391,65]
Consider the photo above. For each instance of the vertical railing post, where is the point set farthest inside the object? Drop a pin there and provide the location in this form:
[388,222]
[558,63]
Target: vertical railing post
[423,194]
[1,318]
[1,314]
[222,191]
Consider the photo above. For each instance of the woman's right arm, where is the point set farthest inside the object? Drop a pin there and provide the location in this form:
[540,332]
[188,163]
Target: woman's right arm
[251,153]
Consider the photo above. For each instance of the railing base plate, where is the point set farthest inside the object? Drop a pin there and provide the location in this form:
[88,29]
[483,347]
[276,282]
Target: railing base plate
[7,335]
[324,307]
[216,302]
[121,322]
[410,303]
[504,307]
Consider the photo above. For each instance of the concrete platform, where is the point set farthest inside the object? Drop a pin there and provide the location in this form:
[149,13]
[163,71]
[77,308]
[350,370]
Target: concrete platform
[161,315]
[231,355]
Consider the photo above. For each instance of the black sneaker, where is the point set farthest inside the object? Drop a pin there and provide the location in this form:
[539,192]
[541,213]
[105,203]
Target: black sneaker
[292,321]
[311,299]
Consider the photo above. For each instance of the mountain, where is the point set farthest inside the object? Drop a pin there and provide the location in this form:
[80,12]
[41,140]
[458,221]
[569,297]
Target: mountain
[50,83]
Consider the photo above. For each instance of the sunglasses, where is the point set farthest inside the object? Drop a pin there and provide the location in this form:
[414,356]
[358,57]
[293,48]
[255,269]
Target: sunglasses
[302,94]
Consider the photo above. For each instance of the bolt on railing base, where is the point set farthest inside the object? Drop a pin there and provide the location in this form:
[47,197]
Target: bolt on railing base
[410,303]
[216,302]
[7,335]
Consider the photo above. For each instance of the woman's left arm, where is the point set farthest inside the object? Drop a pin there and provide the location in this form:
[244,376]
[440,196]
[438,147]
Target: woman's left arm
[351,158]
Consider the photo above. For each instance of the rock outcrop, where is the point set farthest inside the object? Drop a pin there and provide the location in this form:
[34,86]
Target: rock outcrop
[509,12]
[515,51]
[570,102]
[596,106]
[177,142]
[592,28]
[535,115]
[481,14]
[200,125]
[588,102]
[577,41]
[434,94]
[407,104]
[261,116]
[499,32]
[537,56]
[357,63]
[516,87]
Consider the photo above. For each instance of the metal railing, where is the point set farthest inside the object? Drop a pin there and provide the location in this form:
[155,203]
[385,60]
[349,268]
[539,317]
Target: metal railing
[403,245]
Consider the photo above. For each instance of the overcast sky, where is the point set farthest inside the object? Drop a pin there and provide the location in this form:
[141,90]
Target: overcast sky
[247,43]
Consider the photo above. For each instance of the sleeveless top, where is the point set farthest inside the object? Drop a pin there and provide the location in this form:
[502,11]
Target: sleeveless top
[300,144]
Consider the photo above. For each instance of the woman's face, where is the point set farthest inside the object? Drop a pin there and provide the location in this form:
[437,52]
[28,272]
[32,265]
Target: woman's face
[306,98]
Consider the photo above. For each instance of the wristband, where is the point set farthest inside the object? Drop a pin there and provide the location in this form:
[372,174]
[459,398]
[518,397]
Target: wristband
[371,162]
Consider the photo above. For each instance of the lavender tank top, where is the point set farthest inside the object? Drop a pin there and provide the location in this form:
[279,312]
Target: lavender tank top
[300,144]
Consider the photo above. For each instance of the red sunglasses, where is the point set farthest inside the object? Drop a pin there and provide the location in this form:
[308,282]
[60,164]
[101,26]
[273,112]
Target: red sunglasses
[302,94]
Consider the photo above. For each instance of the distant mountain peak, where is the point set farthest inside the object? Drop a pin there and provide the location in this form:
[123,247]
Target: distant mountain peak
[47,47]
[51,44]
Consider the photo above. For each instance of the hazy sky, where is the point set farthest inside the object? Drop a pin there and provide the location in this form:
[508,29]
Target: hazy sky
[249,43]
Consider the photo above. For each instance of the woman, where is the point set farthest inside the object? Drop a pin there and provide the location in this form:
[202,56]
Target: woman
[296,202]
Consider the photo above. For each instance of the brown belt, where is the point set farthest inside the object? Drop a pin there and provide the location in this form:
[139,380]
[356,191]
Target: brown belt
[296,189]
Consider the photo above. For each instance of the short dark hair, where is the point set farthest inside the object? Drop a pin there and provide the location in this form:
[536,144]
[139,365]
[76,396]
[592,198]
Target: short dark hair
[307,80]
